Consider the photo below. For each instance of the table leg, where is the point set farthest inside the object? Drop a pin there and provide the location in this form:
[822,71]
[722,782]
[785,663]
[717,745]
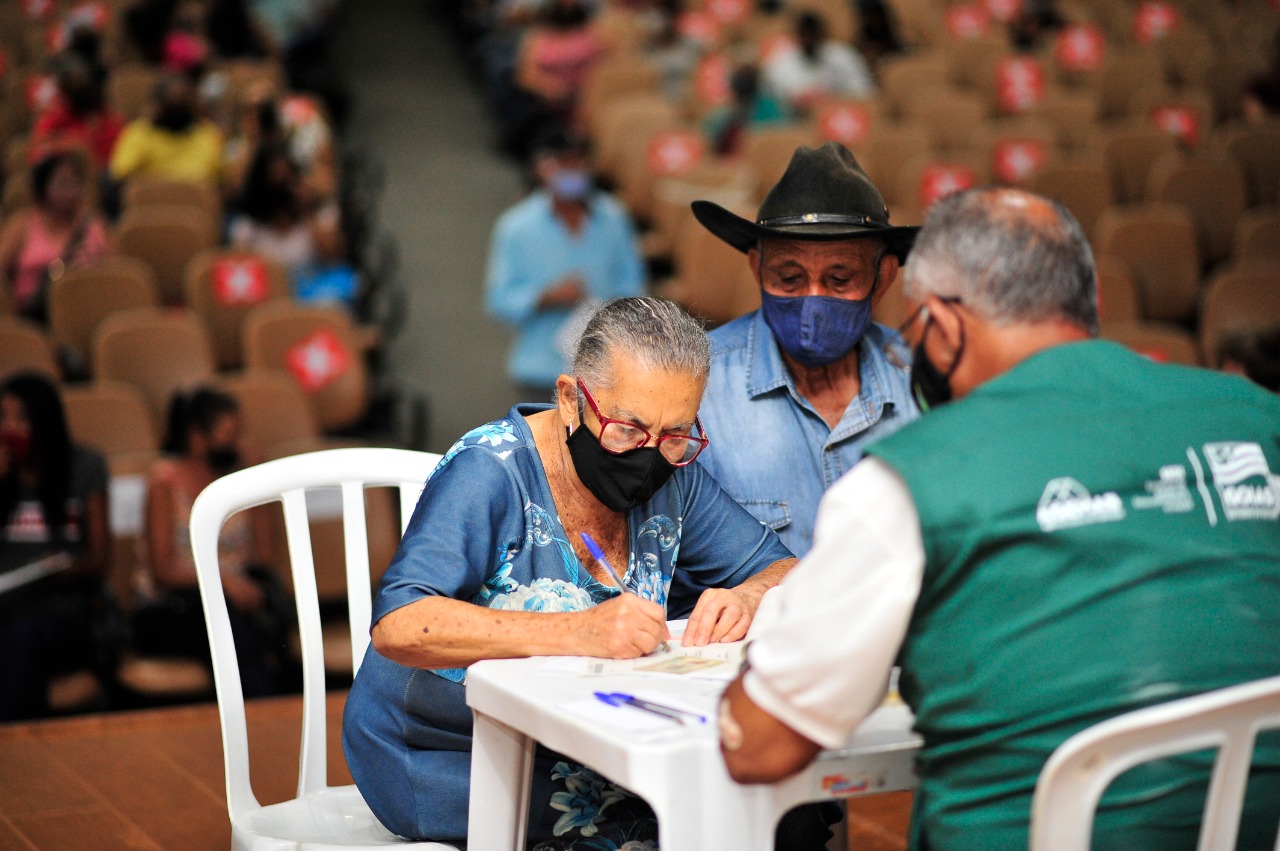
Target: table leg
[501,765]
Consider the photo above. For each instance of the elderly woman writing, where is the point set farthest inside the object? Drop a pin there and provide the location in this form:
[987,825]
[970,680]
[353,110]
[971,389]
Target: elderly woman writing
[492,566]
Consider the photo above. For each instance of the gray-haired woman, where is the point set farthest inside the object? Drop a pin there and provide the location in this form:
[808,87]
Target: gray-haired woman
[493,566]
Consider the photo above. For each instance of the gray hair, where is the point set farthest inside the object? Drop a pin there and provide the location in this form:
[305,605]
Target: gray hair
[1008,255]
[650,332]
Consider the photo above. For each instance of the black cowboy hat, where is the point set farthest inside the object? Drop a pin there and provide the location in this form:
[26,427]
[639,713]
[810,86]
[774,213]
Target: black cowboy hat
[824,195]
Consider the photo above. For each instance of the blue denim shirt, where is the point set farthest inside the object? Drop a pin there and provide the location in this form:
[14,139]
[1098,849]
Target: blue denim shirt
[531,251]
[770,449]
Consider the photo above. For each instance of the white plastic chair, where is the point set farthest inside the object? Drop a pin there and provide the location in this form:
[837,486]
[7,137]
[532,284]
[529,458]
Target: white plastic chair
[1074,778]
[321,817]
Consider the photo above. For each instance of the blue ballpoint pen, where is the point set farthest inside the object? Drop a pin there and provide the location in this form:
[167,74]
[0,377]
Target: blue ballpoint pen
[671,713]
[598,555]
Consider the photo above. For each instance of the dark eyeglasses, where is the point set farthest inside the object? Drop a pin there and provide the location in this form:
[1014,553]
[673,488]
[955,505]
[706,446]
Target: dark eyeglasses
[617,436]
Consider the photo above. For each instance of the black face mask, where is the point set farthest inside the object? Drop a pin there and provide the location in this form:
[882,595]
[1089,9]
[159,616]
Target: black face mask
[930,386]
[222,459]
[176,118]
[620,482]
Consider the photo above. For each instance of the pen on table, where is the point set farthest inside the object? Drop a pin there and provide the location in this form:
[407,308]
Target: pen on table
[672,713]
[598,555]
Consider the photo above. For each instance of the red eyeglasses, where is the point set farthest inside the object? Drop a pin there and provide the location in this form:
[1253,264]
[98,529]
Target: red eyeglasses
[617,436]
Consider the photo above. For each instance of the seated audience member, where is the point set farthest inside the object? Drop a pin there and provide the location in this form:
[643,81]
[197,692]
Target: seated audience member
[556,55]
[57,231]
[1036,554]
[203,440]
[186,51]
[726,126]
[564,245]
[1036,21]
[279,220]
[674,53]
[877,32]
[808,380]
[53,506]
[79,119]
[299,127]
[816,67]
[231,31]
[493,566]
[1255,355]
[174,143]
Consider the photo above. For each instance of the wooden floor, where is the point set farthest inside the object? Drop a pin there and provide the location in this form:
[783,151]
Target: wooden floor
[153,780]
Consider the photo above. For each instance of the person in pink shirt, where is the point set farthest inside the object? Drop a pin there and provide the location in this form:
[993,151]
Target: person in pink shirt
[58,231]
[556,56]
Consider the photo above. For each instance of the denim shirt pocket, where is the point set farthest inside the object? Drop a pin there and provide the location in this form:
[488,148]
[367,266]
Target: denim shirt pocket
[773,513]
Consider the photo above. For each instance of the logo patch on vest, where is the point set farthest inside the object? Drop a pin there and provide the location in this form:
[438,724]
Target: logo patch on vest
[1168,493]
[1246,488]
[1066,504]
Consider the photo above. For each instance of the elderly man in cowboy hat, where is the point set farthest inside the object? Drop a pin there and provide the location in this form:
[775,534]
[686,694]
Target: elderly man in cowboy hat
[800,386]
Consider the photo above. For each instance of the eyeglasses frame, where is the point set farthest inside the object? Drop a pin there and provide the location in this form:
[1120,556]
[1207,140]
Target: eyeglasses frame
[702,440]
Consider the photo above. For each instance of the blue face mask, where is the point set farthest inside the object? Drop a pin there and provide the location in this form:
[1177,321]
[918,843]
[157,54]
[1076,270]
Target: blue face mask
[816,329]
[570,184]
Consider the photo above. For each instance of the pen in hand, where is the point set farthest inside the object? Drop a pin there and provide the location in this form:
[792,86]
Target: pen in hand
[599,556]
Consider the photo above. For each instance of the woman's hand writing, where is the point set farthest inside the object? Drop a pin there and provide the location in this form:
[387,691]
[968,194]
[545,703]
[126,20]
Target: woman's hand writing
[625,627]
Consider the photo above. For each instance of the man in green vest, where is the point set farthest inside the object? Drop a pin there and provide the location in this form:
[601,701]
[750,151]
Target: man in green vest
[1081,533]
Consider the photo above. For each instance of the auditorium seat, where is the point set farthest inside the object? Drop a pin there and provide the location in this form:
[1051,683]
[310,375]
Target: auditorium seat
[24,346]
[156,350]
[319,346]
[1158,241]
[1081,183]
[1211,190]
[1129,151]
[277,417]
[131,88]
[222,286]
[950,115]
[1073,115]
[1123,72]
[768,150]
[1243,296]
[114,418]
[713,280]
[902,75]
[85,295]
[166,237]
[1258,233]
[1256,149]
[890,145]
[1161,341]
[1119,299]
[141,191]
[613,79]
[630,114]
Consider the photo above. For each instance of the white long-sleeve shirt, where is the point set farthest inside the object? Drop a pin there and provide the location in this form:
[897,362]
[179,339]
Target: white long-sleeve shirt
[824,640]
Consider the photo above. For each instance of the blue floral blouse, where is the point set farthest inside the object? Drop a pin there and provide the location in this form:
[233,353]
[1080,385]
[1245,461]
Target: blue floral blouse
[485,531]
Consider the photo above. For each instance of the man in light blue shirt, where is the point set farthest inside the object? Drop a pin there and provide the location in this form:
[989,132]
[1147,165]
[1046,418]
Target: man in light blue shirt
[799,387]
[565,247]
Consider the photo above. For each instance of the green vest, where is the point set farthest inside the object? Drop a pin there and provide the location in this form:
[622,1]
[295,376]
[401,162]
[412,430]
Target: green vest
[1100,534]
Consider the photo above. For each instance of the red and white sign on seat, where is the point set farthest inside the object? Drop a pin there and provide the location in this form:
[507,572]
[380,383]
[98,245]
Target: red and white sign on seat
[1153,20]
[1016,161]
[1181,121]
[702,27]
[40,91]
[1079,48]
[968,21]
[318,360]
[1003,11]
[941,179]
[1020,83]
[846,123]
[730,11]
[239,281]
[711,79]
[675,152]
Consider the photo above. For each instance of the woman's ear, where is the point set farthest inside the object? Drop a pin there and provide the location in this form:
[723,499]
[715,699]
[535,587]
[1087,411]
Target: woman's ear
[567,401]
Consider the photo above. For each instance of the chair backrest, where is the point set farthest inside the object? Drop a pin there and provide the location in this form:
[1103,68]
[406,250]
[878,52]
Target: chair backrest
[902,75]
[141,191]
[157,351]
[1123,73]
[769,150]
[1159,243]
[23,347]
[130,89]
[633,112]
[273,409]
[1258,234]
[86,295]
[223,286]
[890,145]
[113,418]
[318,346]
[166,237]
[1118,296]
[1072,114]
[949,114]
[1081,183]
[1244,296]
[1256,149]
[287,480]
[1211,190]
[1130,151]
[1079,771]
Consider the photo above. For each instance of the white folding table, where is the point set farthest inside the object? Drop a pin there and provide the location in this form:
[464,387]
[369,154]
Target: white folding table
[519,702]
